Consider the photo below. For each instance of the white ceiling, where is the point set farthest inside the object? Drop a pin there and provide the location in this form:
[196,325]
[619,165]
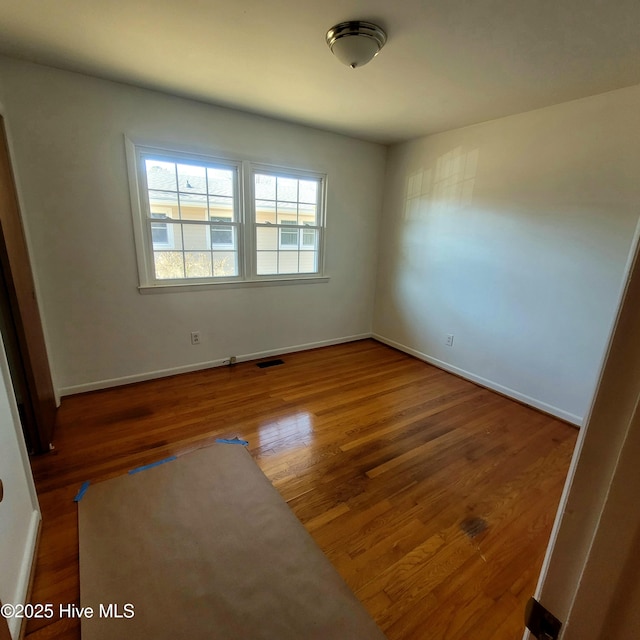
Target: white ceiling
[447,63]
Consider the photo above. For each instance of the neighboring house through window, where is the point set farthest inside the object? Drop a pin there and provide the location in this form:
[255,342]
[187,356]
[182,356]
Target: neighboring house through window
[289,237]
[222,236]
[160,232]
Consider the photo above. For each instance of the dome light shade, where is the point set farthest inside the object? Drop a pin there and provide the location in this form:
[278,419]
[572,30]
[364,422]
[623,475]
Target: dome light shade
[355,43]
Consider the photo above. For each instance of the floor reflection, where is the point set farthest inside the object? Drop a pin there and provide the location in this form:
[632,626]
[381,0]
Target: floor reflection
[287,432]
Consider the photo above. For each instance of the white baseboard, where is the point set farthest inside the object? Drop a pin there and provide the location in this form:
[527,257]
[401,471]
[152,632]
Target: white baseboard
[26,568]
[484,382]
[199,366]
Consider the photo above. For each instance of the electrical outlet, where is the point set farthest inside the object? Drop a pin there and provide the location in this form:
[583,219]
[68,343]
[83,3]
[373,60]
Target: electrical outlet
[195,337]
[449,340]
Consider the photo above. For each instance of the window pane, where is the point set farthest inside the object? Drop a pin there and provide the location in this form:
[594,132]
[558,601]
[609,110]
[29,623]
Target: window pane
[267,238]
[267,262]
[220,181]
[265,211]
[195,237]
[165,235]
[222,235]
[193,206]
[221,207]
[308,262]
[287,189]
[168,264]
[197,264]
[309,191]
[225,264]
[287,212]
[289,237]
[288,262]
[308,215]
[175,233]
[160,174]
[159,234]
[265,187]
[192,178]
[309,238]
[164,213]
[164,203]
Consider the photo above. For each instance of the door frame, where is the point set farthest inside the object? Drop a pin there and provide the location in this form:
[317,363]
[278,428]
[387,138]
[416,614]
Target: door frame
[22,288]
[582,569]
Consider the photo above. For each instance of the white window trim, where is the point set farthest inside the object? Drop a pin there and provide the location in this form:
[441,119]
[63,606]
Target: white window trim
[246,222]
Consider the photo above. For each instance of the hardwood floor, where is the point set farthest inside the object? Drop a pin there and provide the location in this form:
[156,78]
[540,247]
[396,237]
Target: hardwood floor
[434,498]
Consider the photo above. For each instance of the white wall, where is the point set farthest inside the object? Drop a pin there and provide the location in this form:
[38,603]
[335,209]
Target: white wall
[67,134]
[513,235]
[19,511]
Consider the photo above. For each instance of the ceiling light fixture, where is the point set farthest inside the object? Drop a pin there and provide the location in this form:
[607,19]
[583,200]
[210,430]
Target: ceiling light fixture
[355,43]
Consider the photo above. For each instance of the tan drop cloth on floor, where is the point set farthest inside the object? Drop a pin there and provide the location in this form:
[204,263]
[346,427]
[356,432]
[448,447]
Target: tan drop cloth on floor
[204,547]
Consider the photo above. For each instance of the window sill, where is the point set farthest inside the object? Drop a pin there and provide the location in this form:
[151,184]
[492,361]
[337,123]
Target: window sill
[203,286]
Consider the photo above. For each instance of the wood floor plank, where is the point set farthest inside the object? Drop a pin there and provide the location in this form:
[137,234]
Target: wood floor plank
[433,497]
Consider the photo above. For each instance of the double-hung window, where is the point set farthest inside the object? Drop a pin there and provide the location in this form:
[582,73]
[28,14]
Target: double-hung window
[202,220]
[288,221]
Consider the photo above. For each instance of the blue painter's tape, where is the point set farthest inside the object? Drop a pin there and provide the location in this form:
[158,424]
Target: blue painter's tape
[83,490]
[153,464]
[244,443]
